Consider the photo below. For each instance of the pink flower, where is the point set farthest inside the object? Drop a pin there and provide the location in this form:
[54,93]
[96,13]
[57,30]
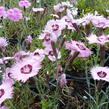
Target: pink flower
[2,12]
[24,4]
[29,39]
[19,55]
[4,107]
[3,42]
[14,14]
[6,91]
[59,8]
[63,80]
[68,22]
[73,46]
[100,40]
[49,51]
[72,13]
[100,73]
[38,55]
[67,4]
[7,75]
[25,69]
[88,18]
[48,37]
[38,9]
[55,26]
[100,22]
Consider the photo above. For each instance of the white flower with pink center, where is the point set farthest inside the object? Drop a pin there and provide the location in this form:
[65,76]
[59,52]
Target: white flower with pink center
[95,39]
[48,37]
[59,8]
[100,22]
[74,46]
[88,18]
[68,22]
[55,26]
[6,90]
[25,69]
[67,4]
[49,51]
[100,73]
[7,75]
[38,55]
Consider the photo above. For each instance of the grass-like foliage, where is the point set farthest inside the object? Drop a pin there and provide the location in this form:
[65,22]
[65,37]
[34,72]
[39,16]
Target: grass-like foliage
[54,54]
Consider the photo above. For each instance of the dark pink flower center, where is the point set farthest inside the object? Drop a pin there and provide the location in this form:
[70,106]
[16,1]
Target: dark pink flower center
[51,53]
[107,38]
[27,69]
[67,20]
[9,75]
[36,54]
[2,92]
[55,27]
[81,47]
[100,39]
[47,37]
[102,74]
[101,24]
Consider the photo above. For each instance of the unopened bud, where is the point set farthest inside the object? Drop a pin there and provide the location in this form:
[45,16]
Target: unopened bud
[76,27]
[54,49]
[59,70]
[87,27]
[63,80]
[72,57]
[62,42]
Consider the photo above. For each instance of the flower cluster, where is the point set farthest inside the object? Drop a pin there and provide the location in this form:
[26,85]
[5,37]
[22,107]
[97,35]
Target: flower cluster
[27,64]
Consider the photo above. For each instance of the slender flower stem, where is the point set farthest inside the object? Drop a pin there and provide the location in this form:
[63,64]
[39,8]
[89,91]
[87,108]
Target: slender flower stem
[102,54]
